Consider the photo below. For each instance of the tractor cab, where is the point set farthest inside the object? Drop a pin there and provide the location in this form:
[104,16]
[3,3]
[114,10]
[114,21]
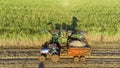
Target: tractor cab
[63,38]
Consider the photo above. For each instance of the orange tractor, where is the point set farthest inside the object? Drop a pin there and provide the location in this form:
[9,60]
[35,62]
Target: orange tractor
[66,44]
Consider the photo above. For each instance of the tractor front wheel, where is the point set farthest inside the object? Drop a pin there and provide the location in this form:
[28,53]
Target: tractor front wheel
[42,58]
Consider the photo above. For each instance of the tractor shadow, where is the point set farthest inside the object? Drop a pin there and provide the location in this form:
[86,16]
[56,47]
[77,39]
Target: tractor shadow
[67,26]
[41,65]
[74,23]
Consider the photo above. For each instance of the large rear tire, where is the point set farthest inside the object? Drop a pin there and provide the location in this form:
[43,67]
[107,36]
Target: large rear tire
[42,58]
[55,58]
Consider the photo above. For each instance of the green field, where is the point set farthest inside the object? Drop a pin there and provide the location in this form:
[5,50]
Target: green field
[23,19]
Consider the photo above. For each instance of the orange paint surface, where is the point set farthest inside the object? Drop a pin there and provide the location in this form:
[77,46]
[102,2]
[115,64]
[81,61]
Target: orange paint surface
[79,51]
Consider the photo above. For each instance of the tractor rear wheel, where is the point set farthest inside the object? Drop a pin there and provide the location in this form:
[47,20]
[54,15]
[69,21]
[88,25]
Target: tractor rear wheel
[82,59]
[76,59]
[42,58]
[55,58]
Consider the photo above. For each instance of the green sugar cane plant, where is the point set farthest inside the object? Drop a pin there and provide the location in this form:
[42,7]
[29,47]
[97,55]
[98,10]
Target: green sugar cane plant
[24,19]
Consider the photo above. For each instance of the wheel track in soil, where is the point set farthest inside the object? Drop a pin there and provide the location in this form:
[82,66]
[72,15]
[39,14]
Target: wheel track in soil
[34,63]
[35,52]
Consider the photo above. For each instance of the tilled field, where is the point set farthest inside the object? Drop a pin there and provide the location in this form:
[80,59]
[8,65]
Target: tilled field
[34,63]
[36,52]
[28,58]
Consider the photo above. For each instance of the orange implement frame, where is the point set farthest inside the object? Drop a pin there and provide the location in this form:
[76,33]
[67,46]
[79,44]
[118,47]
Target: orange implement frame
[72,51]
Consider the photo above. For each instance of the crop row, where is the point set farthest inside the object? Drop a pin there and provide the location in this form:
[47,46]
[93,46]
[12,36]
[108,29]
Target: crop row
[26,18]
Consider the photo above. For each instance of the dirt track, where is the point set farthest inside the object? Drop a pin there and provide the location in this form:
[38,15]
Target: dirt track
[34,63]
[35,52]
[27,58]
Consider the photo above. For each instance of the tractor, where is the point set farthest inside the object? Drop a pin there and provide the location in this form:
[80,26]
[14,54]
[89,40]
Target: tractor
[65,44]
